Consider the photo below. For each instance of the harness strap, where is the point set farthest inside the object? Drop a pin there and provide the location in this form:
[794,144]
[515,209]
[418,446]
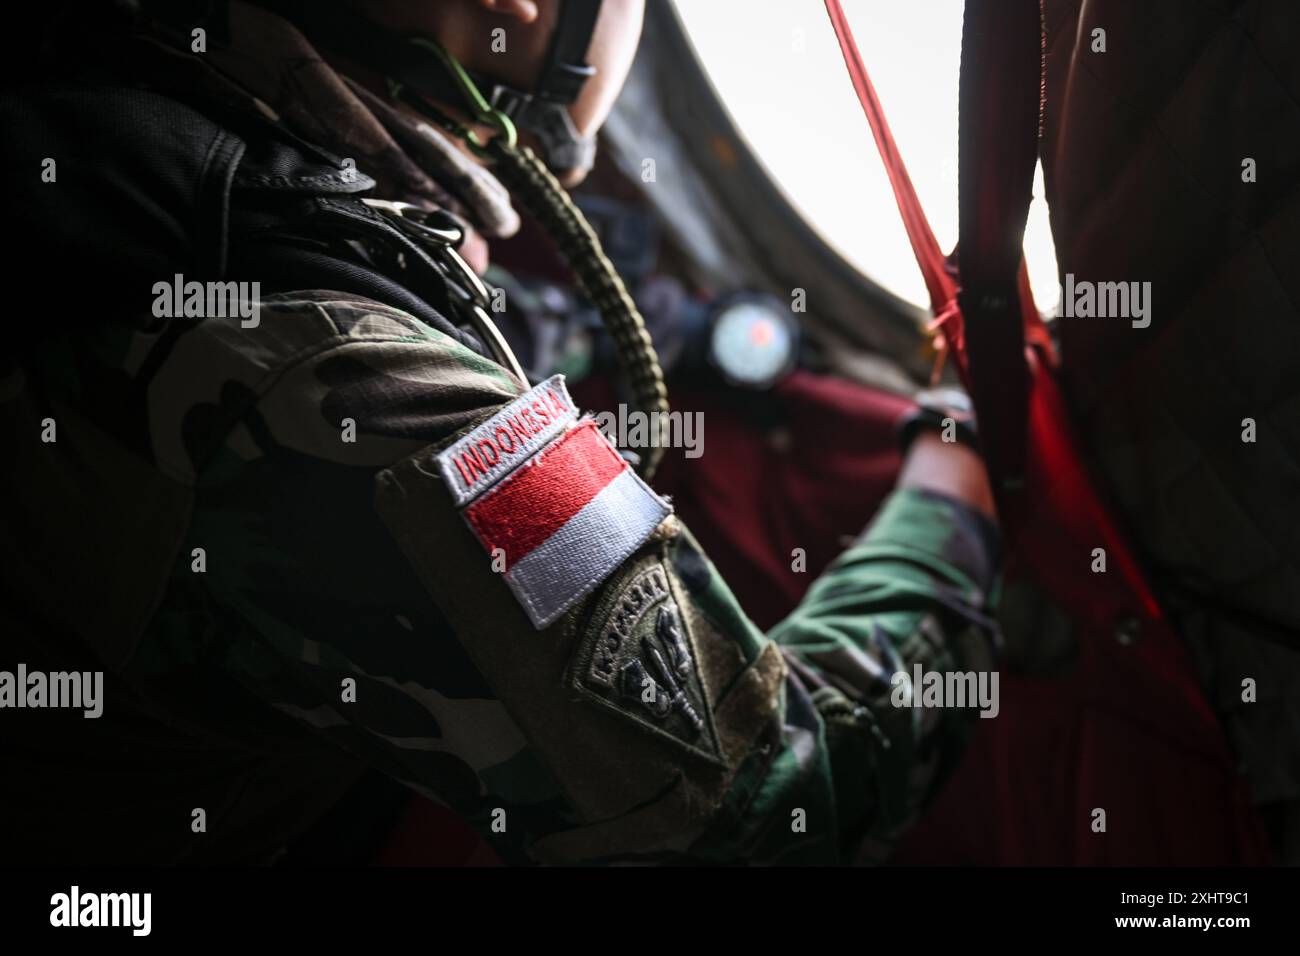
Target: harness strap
[1045,495]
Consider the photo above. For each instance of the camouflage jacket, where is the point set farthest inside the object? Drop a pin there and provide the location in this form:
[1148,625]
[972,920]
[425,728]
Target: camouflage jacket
[252,559]
[242,524]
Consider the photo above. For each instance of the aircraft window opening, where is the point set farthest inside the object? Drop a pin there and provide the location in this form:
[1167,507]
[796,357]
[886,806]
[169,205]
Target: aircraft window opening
[781,77]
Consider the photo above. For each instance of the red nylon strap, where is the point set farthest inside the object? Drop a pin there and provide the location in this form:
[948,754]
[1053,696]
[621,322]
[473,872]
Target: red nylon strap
[1008,381]
[924,245]
[993,212]
[1058,517]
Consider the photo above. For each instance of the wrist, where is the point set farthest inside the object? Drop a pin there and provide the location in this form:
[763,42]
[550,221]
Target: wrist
[950,468]
[946,412]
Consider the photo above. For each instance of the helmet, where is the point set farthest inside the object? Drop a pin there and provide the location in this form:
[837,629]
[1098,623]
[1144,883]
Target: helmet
[417,65]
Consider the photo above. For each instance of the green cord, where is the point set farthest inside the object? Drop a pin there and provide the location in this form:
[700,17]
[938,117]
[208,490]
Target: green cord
[530,181]
[482,111]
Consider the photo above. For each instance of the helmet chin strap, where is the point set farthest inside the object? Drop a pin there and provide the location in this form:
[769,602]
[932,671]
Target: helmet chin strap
[419,70]
[545,112]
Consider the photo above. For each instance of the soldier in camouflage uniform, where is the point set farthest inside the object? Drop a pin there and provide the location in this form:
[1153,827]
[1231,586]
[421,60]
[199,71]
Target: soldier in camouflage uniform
[255,528]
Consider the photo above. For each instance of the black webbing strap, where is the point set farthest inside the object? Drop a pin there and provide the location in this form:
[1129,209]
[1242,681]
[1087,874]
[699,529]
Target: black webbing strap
[1001,74]
[566,69]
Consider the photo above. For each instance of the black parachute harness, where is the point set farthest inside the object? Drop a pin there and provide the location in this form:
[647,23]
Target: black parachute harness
[418,71]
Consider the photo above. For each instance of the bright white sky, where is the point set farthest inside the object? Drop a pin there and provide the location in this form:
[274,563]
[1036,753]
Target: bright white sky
[779,70]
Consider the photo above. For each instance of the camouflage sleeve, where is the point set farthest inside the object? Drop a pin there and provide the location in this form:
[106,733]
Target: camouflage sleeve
[879,641]
[303,599]
[645,718]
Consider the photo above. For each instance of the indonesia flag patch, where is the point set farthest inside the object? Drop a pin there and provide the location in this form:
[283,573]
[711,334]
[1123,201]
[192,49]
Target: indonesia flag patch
[505,441]
[565,512]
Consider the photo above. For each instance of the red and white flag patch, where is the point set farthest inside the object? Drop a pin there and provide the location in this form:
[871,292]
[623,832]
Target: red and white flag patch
[564,511]
[505,441]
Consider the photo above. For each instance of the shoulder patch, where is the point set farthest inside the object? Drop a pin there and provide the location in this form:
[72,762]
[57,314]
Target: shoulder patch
[477,461]
[637,656]
[560,507]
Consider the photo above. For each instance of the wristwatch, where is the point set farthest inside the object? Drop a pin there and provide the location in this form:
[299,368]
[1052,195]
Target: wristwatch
[947,411]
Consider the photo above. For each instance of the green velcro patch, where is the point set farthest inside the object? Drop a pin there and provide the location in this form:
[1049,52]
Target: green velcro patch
[636,655]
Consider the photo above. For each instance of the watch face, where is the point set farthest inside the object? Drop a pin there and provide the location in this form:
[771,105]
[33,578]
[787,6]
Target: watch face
[753,343]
